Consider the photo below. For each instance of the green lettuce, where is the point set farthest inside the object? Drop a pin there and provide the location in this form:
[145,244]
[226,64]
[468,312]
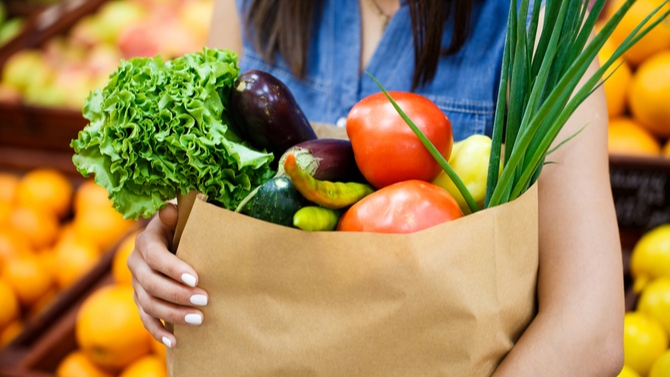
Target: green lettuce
[159,128]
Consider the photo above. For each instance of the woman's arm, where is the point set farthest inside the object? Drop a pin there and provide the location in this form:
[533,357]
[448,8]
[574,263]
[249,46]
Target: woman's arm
[579,327]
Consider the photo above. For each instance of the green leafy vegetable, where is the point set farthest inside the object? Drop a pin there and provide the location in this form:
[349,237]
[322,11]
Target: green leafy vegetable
[160,128]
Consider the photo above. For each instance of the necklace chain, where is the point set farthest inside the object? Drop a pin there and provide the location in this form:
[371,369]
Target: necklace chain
[380,12]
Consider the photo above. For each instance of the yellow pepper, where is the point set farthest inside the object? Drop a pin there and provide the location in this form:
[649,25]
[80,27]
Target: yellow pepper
[470,160]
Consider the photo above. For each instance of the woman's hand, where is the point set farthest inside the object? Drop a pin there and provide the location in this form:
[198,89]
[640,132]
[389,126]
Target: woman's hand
[165,286]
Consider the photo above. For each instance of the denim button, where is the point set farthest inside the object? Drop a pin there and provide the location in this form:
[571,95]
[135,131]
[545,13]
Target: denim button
[341,122]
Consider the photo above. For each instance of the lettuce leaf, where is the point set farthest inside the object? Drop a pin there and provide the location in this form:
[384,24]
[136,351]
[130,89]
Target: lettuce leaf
[159,128]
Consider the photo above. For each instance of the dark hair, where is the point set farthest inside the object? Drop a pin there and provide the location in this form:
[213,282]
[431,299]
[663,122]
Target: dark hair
[284,27]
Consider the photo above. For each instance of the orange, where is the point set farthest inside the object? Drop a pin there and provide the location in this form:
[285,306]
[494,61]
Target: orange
[617,83]
[90,195]
[147,366]
[12,244]
[158,348]
[10,332]
[102,226]
[109,330]
[627,137]
[76,364]
[28,277]
[73,259]
[47,189]
[8,183]
[5,211]
[40,228]
[9,310]
[666,149]
[120,270]
[656,40]
[649,93]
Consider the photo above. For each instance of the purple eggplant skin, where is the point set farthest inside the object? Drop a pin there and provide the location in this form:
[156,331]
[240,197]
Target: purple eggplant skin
[265,113]
[327,159]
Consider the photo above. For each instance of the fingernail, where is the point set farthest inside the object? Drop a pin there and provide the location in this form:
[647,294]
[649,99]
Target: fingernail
[200,300]
[188,279]
[167,342]
[193,319]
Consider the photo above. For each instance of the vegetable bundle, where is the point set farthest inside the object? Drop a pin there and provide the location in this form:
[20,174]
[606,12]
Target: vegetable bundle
[161,128]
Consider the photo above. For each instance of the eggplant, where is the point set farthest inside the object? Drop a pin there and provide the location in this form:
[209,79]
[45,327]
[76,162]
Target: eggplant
[326,159]
[264,112]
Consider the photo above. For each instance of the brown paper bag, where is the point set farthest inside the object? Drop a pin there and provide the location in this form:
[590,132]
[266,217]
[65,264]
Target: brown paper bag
[447,301]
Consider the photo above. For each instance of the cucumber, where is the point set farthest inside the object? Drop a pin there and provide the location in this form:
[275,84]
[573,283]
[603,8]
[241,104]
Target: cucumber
[276,201]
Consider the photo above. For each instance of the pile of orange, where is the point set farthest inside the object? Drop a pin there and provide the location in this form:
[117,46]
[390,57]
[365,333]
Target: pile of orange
[111,340]
[51,233]
[638,89]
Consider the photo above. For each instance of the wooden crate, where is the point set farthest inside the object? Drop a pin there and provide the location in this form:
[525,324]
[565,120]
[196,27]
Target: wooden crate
[41,127]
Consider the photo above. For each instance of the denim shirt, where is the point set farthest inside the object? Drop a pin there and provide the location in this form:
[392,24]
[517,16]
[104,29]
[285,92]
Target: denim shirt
[464,87]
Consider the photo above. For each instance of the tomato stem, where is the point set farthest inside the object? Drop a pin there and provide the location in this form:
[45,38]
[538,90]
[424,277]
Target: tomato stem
[433,150]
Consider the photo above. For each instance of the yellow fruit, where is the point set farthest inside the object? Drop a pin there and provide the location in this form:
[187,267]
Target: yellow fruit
[9,310]
[627,371]
[649,93]
[661,366]
[644,340]
[147,366]
[627,137]
[656,40]
[76,364]
[109,330]
[120,270]
[101,226]
[618,80]
[6,208]
[39,227]
[73,259]
[655,301]
[28,277]
[650,258]
[47,189]
[8,183]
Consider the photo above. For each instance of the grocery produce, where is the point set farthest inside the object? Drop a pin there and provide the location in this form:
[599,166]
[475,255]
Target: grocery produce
[264,113]
[644,341]
[333,195]
[650,258]
[661,366]
[315,218]
[142,159]
[470,161]
[649,91]
[403,207]
[10,27]
[76,363]
[108,328]
[627,137]
[654,301]
[386,149]
[326,159]
[276,201]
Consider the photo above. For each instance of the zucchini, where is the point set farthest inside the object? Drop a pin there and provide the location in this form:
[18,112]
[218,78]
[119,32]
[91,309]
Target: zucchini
[276,201]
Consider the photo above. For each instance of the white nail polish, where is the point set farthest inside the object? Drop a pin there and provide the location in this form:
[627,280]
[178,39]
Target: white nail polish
[200,300]
[188,279]
[193,319]
[167,342]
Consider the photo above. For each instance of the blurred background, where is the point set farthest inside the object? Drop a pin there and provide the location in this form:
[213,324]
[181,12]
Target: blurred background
[66,306]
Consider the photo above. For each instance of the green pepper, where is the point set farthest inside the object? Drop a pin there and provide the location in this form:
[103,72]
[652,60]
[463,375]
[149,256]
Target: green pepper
[315,218]
[470,160]
[333,195]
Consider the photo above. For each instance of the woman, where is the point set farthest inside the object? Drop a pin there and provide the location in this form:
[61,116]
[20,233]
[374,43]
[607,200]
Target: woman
[578,327]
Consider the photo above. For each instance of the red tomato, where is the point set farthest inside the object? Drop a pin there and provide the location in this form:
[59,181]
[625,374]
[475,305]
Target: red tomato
[385,147]
[402,207]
